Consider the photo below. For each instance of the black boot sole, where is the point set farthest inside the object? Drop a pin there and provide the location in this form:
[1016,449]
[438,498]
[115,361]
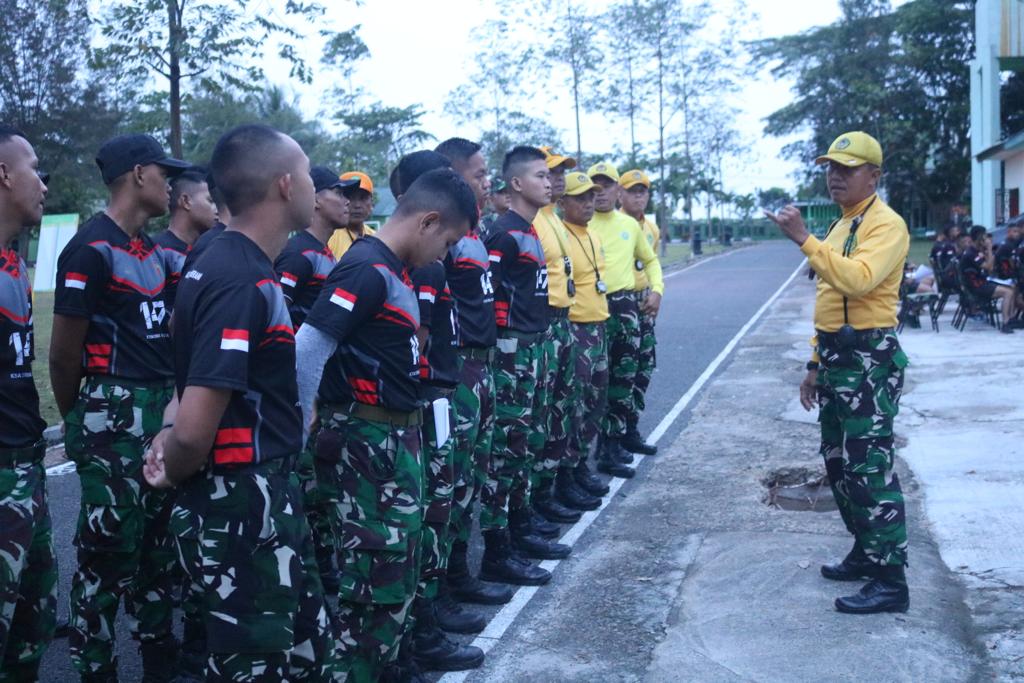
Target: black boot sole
[474,598]
[464,630]
[614,471]
[515,580]
[640,448]
[899,607]
[580,505]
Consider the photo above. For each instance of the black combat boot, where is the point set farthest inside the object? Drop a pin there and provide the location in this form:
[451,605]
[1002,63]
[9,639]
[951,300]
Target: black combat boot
[404,668]
[527,542]
[467,588]
[570,494]
[542,527]
[502,564]
[192,657]
[609,464]
[854,567]
[159,659]
[549,508]
[887,592]
[452,618]
[635,443]
[588,481]
[431,648]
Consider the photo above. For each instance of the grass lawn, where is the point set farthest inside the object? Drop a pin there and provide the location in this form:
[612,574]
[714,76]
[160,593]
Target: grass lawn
[42,317]
[919,250]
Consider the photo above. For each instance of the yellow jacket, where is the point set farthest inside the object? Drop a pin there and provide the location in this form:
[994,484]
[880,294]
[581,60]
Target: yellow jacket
[624,245]
[589,306]
[652,233]
[342,239]
[869,277]
[554,239]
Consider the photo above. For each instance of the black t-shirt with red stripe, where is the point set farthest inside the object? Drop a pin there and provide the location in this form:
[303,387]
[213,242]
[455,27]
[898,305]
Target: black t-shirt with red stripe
[519,274]
[439,364]
[369,306]
[972,265]
[205,240]
[468,274]
[118,283]
[20,423]
[232,331]
[303,266]
[175,252]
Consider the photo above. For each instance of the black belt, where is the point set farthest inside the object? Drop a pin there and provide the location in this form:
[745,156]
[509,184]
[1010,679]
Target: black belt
[477,353]
[396,418]
[621,295]
[525,337]
[27,455]
[558,313]
[870,334]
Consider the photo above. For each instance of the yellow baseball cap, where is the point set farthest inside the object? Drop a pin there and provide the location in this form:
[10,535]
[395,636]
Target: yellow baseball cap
[577,183]
[604,168]
[853,149]
[554,159]
[634,177]
[364,180]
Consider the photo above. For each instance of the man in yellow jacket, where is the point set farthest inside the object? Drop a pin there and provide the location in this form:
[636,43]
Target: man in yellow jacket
[360,208]
[856,370]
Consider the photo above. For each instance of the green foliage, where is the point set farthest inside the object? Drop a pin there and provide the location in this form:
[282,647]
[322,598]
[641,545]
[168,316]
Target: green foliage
[378,136]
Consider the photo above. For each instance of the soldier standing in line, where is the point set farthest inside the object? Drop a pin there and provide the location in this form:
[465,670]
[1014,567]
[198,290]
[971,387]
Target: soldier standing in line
[28,574]
[223,218]
[522,316]
[360,208]
[110,326]
[230,438]
[192,214]
[856,370]
[360,338]
[636,193]
[557,364]
[624,247]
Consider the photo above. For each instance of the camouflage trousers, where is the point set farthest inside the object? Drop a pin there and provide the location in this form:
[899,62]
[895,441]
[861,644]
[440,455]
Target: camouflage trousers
[556,400]
[647,362]
[380,506]
[28,573]
[439,477]
[589,389]
[858,394]
[515,385]
[261,602]
[320,501]
[124,548]
[472,434]
[623,330]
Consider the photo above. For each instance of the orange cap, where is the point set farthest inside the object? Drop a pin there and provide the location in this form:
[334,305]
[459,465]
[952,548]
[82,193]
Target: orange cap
[364,180]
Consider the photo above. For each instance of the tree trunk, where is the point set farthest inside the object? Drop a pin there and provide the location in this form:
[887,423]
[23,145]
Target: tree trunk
[174,59]
[662,209]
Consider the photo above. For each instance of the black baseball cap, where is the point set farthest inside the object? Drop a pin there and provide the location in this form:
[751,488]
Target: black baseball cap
[326,179]
[121,154]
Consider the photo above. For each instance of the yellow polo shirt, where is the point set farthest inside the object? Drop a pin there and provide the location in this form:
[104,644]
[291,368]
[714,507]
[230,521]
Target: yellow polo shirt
[624,245]
[652,233]
[554,239]
[342,239]
[587,254]
[870,277]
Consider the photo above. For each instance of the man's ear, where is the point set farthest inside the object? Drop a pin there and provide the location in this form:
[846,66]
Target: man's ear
[137,174]
[5,175]
[284,187]
[429,221]
[185,202]
[515,184]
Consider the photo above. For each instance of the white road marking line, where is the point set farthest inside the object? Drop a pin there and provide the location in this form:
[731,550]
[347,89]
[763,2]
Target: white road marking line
[506,615]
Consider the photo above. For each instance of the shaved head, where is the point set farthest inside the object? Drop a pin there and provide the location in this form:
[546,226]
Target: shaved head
[248,160]
[22,186]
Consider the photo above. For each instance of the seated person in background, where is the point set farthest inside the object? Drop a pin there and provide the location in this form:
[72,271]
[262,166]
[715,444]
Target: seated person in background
[920,279]
[976,264]
[1005,266]
[944,256]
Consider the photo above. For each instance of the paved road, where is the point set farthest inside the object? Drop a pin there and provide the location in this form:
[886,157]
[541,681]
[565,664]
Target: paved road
[704,308]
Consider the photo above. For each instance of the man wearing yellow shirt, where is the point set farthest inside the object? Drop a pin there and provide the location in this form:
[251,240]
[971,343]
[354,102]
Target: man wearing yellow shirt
[587,319]
[856,371]
[636,193]
[360,208]
[557,363]
[624,246]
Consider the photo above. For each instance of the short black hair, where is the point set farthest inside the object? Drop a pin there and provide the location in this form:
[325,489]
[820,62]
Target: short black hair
[978,231]
[7,132]
[442,190]
[183,184]
[948,231]
[245,161]
[412,166]
[518,156]
[458,149]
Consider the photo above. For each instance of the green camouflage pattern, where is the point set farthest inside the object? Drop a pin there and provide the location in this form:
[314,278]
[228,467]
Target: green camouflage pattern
[647,362]
[508,481]
[561,366]
[540,411]
[858,395]
[28,572]
[472,435]
[124,549]
[262,604]
[436,538]
[317,478]
[623,330]
[380,505]
[589,390]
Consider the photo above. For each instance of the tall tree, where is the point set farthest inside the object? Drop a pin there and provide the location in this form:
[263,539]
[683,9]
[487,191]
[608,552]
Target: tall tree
[378,136]
[626,83]
[217,44]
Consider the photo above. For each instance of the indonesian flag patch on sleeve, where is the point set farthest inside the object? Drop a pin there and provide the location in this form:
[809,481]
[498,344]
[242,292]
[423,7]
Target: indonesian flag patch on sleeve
[346,300]
[289,280]
[75,280]
[234,340]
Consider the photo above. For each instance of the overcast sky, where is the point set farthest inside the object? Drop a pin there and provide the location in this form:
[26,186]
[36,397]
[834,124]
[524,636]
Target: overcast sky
[420,51]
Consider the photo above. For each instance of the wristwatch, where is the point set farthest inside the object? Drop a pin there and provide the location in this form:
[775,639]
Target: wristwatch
[812,365]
